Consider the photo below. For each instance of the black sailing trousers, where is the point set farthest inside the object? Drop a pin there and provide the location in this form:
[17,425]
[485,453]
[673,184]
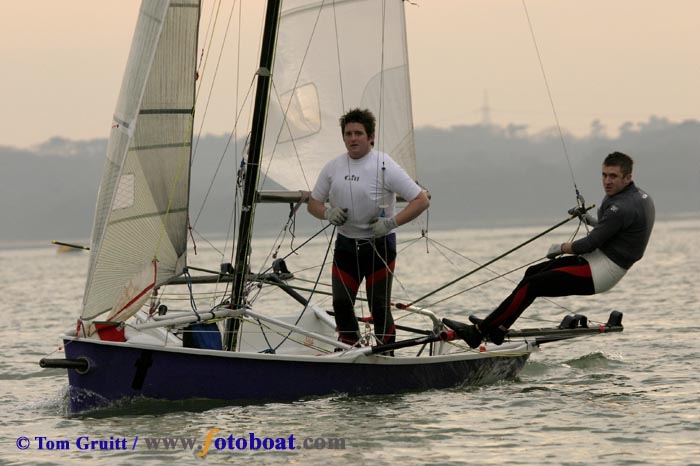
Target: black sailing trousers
[373,260]
[563,276]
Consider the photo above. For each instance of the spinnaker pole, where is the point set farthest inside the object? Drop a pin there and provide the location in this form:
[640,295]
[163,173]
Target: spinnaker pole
[262,97]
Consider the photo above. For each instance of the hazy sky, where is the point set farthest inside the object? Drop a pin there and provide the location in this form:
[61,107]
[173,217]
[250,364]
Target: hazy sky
[613,60]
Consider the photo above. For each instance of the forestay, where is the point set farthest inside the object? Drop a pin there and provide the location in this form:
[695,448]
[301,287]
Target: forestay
[141,215]
[333,56]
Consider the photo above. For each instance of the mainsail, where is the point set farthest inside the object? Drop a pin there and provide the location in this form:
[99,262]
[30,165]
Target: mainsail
[333,56]
[139,236]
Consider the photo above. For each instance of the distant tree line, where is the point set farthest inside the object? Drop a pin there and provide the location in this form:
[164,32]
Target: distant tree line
[478,175]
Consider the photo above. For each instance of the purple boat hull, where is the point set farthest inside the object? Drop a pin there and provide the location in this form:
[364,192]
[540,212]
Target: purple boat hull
[122,371]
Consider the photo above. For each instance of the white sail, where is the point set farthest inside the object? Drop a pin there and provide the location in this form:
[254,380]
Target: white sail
[332,56]
[139,232]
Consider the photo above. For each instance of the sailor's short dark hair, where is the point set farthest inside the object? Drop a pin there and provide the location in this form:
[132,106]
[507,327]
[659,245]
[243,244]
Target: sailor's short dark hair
[362,116]
[618,159]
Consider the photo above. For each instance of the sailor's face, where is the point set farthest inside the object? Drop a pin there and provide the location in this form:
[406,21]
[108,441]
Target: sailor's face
[614,181]
[356,140]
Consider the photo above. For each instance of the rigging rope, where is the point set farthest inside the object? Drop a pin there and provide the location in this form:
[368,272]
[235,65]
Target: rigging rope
[337,48]
[184,151]
[223,154]
[495,259]
[239,111]
[313,291]
[216,72]
[579,198]
[285,112]
[498,275]
[302,244]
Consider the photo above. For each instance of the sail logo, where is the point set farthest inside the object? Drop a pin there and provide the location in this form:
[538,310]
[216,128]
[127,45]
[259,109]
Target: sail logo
[352,178]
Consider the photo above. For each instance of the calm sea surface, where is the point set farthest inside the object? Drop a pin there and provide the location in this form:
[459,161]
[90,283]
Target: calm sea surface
[630,398]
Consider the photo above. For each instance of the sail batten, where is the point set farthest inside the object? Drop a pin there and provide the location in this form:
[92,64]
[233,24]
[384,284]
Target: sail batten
[160,146]
[164,111]
[141,214]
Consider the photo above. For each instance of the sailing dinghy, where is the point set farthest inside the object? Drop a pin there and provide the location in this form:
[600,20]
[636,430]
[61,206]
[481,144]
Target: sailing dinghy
[129,342]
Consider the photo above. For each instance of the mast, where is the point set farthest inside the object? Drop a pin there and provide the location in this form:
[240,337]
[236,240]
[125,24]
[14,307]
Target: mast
[262,95]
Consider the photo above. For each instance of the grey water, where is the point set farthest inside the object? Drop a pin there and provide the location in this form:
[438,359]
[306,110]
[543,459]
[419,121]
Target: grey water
[621,399]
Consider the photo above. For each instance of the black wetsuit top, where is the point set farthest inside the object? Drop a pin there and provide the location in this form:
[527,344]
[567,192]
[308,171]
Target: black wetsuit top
[625,221]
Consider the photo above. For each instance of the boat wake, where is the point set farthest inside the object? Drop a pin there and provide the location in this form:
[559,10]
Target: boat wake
[56,404]
[596,360]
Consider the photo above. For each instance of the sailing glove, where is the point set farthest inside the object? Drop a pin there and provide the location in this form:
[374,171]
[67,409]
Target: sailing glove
[554,251]
[581,213]
[381,226]
[336,215]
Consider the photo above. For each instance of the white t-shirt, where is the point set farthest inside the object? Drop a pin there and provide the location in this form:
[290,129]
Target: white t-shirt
[364,186]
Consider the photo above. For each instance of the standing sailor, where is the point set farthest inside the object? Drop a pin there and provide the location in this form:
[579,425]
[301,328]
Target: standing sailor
[361,186]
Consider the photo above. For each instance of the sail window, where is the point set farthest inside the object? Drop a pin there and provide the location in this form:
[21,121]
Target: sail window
[303,114]
[125,192]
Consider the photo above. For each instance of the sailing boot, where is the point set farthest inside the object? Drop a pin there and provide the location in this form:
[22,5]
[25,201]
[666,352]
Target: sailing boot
[475,320]
[496,335]
[468,333]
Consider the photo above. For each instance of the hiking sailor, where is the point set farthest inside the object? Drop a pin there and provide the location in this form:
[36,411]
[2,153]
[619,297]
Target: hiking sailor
[598,261]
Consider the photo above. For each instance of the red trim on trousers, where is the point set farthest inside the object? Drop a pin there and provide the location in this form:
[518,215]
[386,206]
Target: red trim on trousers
[390,336]
[346,279]
[575,270]
[378,275]
[512,307]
